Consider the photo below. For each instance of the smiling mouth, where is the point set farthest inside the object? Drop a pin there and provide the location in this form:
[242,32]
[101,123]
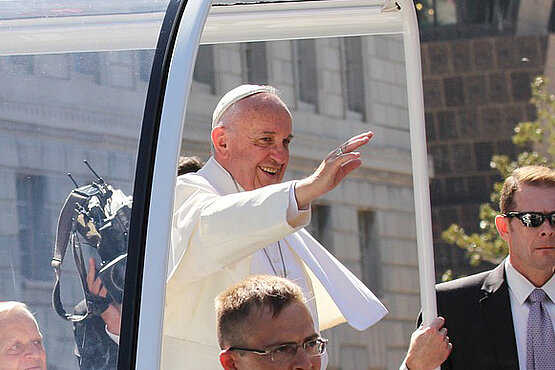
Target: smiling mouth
[269,170]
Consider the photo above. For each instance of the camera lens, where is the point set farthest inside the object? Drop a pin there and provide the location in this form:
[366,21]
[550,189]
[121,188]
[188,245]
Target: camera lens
[117,274]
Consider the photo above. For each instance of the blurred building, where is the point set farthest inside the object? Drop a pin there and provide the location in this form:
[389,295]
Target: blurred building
[478,60]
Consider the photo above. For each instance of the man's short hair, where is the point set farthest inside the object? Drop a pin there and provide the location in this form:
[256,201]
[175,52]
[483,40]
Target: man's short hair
[541,176]
[189,164]
[235,305]
[13,307]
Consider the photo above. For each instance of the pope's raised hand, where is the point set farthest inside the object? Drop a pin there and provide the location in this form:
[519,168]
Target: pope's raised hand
[333,169]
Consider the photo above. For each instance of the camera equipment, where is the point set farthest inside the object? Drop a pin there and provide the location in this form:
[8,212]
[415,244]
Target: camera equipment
[97,215]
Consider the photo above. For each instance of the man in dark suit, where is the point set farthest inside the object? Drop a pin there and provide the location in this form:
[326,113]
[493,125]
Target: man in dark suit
[487,314]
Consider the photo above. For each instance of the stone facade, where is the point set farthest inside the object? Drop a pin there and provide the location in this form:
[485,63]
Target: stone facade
[475,92]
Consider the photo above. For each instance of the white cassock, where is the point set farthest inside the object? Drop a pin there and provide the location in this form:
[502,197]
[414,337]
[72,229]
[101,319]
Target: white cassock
[218,234]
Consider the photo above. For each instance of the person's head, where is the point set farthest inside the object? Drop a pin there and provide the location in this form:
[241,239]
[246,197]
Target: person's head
[527,198]
[251,132]
[264,323]
[20,339]
[188,164]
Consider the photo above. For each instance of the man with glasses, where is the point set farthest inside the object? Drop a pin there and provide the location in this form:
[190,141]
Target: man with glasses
[264,323]
[503,318]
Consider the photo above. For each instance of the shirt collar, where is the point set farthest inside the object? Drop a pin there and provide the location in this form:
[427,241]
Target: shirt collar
[220,177]
[521,287]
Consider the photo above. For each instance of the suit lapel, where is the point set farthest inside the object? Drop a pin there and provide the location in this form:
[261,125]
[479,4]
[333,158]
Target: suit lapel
[496,308]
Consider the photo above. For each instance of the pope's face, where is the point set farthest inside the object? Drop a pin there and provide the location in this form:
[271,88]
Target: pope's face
[293,325]
[532,249]
[257,142]
[21,344]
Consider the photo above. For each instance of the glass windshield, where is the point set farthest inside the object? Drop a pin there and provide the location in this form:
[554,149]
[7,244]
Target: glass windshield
[335,88]
[56,111]
[18,9]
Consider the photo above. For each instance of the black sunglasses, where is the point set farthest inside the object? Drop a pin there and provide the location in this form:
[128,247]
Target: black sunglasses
[532,219]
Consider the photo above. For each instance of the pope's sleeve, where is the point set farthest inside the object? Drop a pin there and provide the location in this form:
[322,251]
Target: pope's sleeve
[210,231]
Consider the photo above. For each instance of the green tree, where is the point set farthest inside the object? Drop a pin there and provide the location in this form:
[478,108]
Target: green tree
[537,140]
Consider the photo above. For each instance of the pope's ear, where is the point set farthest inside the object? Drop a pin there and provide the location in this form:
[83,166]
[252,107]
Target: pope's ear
[227,360]
[502,224]
[219,140]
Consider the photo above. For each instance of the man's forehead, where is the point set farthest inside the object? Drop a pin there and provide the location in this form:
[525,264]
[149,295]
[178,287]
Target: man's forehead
[14,331]
[537,197]
[16,317]
[262,122]
[294,321]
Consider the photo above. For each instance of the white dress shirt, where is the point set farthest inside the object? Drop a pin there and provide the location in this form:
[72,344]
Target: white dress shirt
[519,290]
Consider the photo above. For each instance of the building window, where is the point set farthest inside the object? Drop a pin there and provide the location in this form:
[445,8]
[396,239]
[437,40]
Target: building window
[255,64]
[370,251]
[320,225]
[118,69]
[486,17]
[24,63]
[35,232]
[436,12]
[54,66]
[305,71]
[353,77]
[88,64]
[145,58]
[551,25]
[204,68]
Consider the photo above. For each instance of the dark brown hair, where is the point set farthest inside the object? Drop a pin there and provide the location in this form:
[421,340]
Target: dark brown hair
[189,164]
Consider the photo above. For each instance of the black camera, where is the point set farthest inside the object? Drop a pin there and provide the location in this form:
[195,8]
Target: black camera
[103,222]
[95,215]
[113,277]
[94,221]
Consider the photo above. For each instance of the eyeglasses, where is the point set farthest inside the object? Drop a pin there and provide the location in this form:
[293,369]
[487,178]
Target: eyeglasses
[286,352]
[532,219]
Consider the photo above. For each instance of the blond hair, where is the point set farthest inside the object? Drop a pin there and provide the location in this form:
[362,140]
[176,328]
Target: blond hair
[540,176]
